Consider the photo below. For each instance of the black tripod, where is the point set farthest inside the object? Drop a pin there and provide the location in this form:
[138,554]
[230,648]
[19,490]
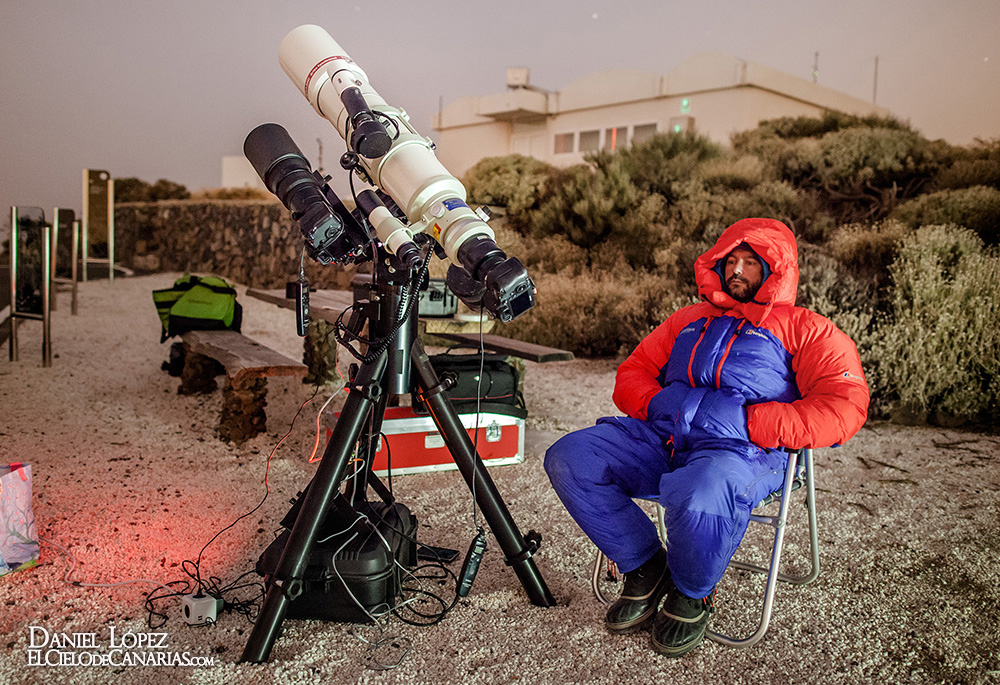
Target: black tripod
[387,375]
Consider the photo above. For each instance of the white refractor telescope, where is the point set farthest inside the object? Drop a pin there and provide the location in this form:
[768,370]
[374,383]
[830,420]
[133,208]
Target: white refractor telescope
[402,164]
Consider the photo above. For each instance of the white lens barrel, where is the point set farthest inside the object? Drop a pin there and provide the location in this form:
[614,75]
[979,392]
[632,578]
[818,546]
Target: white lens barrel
[409,172]
[389,229]
[309,55]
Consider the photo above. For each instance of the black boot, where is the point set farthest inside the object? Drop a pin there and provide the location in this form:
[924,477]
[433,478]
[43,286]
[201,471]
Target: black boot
[641,594]
[680,625]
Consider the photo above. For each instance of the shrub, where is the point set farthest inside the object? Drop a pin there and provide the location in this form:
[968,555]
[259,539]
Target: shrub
[168,190]
[655,165]
[976,208]
[966,173]
[786,143]
[939,350]
[637,239]
[596,313]
[587,205]
[131,189]
[859,155]
[975,166]
[828,288]
[866,171]
[702,214]
[775,152]
[549,254]
[733,173]
[868,251]
[552,254]
[515,182]
[812,127]
[859,172]
[234,194]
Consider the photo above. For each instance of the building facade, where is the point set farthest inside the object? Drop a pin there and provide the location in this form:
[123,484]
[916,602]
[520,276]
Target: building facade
[711,94]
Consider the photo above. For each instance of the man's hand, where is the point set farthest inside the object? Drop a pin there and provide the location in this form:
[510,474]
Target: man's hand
[690,414]
[721,414]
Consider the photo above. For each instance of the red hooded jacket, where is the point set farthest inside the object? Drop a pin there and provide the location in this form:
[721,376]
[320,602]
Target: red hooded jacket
[765,371]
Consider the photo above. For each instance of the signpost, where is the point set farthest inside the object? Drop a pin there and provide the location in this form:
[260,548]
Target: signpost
[65,255]
[98,220]
[30,262]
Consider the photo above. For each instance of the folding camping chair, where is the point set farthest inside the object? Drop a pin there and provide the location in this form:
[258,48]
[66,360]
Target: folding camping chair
[798,473]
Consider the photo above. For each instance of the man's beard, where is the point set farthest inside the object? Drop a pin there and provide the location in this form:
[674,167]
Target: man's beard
[745,292]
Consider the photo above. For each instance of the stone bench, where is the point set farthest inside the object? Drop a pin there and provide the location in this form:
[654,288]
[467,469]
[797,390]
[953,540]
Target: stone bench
[247,365]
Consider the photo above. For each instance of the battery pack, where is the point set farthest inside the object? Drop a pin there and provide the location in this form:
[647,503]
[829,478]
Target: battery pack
[352,571]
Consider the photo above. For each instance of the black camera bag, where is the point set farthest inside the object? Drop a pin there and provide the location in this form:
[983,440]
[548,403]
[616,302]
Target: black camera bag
[499,385]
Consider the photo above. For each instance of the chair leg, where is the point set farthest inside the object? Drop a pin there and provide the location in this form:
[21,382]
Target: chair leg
[778,523]
[599,562]
[773,574]
[813,574]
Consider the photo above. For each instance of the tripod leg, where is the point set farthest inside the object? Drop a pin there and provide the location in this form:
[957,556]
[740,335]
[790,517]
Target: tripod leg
[287,582]
[516,550]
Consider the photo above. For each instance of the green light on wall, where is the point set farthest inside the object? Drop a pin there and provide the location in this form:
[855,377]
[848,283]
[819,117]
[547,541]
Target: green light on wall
[678,128]
[685,105]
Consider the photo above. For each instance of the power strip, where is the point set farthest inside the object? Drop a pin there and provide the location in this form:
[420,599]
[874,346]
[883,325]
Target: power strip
[200,610]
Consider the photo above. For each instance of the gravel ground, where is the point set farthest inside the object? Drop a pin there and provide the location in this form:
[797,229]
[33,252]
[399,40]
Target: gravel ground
[130,479]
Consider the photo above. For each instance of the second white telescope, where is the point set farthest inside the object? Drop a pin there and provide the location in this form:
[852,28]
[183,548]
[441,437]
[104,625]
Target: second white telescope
[433,199]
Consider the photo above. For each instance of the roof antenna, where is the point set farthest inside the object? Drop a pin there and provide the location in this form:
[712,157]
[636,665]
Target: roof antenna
[875,86]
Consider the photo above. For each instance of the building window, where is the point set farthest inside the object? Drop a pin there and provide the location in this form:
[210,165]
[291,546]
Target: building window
[564,142]
[615,138]
[590,141]
[642,133]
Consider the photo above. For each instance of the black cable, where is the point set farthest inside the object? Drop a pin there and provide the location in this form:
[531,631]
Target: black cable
[345,336]
[211,587]
[267,491]
[475,442]
[439,564]
[153,597]
[381,115]
[436,617]
[388,462]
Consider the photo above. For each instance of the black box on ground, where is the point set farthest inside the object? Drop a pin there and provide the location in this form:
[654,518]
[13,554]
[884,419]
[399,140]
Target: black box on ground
[350,564]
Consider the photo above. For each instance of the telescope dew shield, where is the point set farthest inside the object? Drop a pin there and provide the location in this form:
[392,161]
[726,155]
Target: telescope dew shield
[311,58]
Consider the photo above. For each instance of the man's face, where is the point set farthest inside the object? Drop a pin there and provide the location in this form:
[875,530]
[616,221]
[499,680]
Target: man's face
[744,274]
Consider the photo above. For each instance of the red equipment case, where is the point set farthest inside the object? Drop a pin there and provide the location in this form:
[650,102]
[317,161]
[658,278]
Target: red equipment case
[415,446]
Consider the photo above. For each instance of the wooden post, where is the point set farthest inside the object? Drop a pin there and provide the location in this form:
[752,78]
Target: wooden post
[319,353]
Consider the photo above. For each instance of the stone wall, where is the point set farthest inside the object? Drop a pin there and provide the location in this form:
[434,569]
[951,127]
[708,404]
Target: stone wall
[252,242]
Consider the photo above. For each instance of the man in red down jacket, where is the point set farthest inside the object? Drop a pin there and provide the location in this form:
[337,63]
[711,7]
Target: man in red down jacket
[709,396]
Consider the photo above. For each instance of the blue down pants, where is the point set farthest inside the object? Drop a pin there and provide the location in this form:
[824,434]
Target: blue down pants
[707,494]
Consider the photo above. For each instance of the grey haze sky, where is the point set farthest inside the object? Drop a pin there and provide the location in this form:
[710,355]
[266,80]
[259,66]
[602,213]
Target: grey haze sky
[166,89]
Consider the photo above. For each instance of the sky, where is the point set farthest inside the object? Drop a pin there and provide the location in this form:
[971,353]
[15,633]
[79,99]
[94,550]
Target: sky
[166,89]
